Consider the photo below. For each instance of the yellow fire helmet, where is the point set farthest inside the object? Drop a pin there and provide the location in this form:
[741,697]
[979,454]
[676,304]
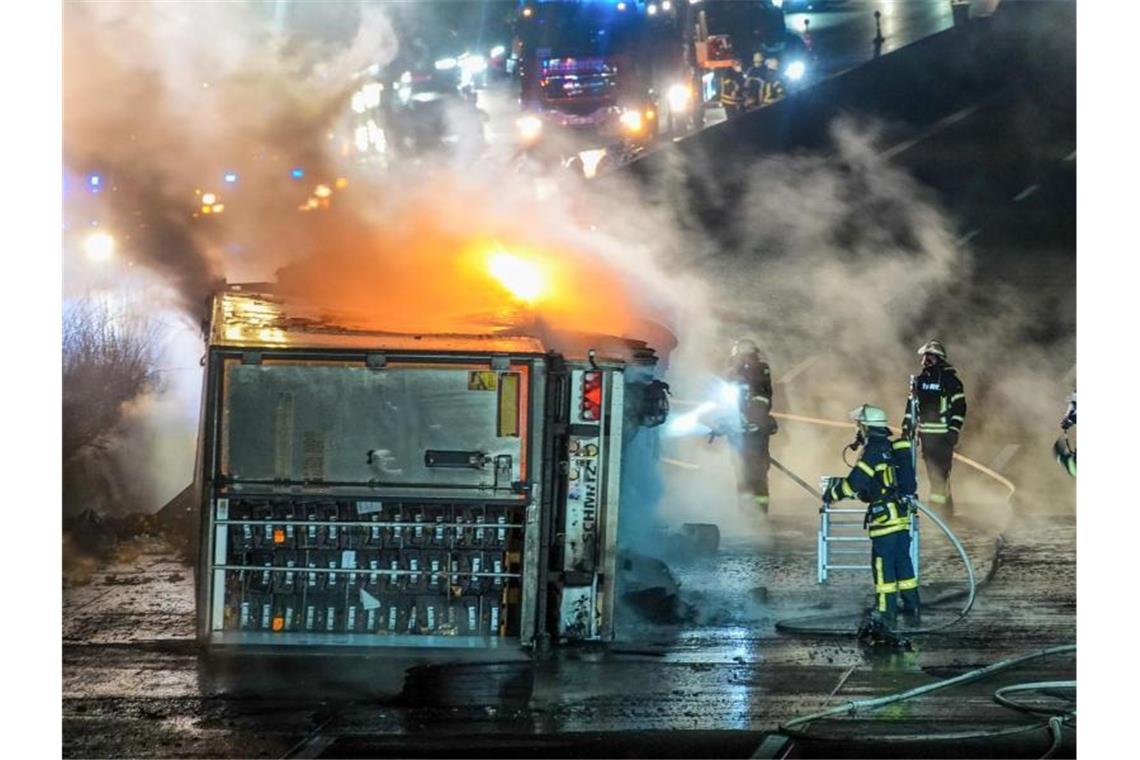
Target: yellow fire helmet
[871,416]
[933,346]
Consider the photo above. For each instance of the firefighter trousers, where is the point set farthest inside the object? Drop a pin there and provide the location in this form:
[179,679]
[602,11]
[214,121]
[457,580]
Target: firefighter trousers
[755,460]
[938,454]
[894,574]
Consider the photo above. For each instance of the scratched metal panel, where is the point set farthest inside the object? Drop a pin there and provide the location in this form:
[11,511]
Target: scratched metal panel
[318,423]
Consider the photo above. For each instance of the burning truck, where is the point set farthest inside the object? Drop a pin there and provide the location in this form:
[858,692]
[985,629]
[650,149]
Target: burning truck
[444,495]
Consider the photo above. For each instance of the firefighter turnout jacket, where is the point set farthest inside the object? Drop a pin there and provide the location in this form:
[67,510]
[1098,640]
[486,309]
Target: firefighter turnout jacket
[732,89]
[755,378]
[941,402]
[882,477]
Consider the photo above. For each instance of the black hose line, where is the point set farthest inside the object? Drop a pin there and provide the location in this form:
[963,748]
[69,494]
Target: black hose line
[1053,724]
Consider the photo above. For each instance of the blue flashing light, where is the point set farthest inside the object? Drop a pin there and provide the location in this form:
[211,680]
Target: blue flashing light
[298,172]
[95,182]
[230,177]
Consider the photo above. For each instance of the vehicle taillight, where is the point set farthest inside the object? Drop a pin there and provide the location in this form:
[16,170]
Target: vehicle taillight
[591,396]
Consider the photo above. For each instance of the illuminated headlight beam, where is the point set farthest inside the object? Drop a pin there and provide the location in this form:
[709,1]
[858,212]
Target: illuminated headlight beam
[796,70]
[679,97]
[99,246]
[530,127]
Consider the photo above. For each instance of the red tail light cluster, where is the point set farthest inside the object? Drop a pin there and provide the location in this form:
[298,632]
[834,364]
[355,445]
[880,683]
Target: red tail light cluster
[591,396]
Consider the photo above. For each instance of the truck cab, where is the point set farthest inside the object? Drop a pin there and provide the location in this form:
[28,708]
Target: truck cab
[584,75]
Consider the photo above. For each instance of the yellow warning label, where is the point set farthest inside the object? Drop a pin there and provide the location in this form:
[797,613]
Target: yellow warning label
[479,380]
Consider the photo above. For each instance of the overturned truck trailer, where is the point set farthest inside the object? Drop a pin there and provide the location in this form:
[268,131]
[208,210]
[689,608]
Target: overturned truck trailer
[448,494]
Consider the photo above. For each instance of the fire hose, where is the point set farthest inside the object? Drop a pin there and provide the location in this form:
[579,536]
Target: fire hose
[959,457]
[972,586]
[1057,716]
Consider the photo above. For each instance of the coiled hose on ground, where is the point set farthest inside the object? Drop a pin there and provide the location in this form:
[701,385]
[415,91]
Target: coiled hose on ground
[1057,719]
[800,625]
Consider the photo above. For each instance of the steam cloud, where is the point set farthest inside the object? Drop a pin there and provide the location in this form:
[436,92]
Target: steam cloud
[841,264]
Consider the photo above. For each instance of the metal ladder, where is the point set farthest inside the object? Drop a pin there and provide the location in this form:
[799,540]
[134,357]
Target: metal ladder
[847,541]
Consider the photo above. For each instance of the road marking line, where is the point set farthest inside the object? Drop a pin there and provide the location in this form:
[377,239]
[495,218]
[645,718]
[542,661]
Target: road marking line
[934,129]
[1003,456]
[1072,156]
[795,371]
[1025,193]
[679,463]
[968,236]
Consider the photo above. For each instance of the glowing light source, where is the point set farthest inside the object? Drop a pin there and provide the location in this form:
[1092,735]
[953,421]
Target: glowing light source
[209,199]
[795,70]
[99,246]
[651,9]
[322,191]
[297,172]
[621,6]
[94,182]
[230,177]
[530,127]
[341,183]
[690,422]
[680,98]
[527,12]
[666,6]
[445,64]
[522,278]
[631,120]
[497,51]
[218,208]
[730,394]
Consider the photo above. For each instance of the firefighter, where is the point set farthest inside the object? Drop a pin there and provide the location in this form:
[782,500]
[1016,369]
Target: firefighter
[752,378]
[732,91]
[884,479]
[1066,454]
[773,88]
[939,401]
[755,80]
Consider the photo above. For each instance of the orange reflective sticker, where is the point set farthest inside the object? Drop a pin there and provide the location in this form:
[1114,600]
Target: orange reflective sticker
[278,536]
[278,623]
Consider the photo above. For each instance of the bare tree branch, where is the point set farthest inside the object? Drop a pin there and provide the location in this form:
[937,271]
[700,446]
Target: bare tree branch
[107,362]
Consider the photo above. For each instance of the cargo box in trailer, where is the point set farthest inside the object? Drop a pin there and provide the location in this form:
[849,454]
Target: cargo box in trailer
[450,494]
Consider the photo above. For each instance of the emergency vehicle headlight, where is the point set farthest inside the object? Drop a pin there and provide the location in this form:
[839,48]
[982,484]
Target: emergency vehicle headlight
[631,120]
[795,70]
[530,127]
[679,97]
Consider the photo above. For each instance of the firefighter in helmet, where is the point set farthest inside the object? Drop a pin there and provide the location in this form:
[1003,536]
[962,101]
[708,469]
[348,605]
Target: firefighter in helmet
[1062,450]
[755,79]
[732,91]
[884,479]
[751,378]
[936,412]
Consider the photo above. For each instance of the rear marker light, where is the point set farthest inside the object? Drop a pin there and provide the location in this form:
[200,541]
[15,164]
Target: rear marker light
[591,406]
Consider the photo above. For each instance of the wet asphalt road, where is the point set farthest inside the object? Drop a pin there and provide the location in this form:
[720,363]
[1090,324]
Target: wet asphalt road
[133,686]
